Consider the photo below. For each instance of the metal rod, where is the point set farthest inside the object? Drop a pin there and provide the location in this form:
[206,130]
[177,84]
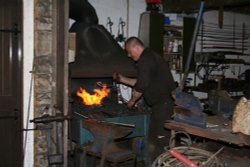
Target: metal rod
[226,45]
[233,30]
[218,47]
[118,123]
[243,35]
[223,32]
[215,26]
[110,122]
[220,41]
[190,53]
[81,115]
[48,119]
[202,39]
[223,37]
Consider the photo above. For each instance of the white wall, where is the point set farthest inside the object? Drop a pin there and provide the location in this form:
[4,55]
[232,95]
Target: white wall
[28,41]
[119,8]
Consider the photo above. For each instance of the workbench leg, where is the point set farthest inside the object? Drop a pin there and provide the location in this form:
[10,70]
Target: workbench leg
[172,141]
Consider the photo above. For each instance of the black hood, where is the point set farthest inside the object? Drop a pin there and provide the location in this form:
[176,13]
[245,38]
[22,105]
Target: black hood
[98,54]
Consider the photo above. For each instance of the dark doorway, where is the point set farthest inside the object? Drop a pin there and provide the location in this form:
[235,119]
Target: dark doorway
[10,83]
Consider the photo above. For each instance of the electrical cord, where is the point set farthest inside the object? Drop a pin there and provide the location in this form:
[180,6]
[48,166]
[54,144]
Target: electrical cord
[201,157]
[188,142]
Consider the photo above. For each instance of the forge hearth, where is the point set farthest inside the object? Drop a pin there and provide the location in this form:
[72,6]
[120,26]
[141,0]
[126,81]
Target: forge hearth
[107,109]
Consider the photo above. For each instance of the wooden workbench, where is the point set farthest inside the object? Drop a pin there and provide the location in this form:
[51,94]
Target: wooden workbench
[218,129]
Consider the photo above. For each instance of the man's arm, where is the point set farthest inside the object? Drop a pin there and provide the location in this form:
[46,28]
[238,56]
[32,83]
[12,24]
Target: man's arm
[130,82]
[125,80]
[135,96]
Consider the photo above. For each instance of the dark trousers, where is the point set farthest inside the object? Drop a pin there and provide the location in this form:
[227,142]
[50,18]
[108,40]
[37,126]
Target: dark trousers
[158,136]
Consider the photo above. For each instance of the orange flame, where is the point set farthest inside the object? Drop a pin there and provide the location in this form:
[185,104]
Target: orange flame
[96,98]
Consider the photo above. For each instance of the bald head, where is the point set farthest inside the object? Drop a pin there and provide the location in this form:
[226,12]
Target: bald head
[133,41]
[134,48]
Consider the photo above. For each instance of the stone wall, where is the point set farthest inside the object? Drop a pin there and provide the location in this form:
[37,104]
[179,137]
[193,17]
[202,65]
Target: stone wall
[44,73]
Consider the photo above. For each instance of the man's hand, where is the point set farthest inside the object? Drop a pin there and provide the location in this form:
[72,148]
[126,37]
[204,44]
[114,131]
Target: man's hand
[117,77]
[135,96]
[123,79]
[131,104]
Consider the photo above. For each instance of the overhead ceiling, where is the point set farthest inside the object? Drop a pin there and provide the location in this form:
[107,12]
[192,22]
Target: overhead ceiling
[190,6]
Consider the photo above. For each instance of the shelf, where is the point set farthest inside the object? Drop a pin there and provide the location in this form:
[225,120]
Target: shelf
[173,27]
[176,53]
[173,37]
[173,42]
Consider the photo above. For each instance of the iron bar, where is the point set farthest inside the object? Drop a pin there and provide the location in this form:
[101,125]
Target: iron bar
[226,45]
[234,30]
[109,122]
[229,36]
[224,26]
[222,47]
[223,37]
[194,38]
[225,33]
[218,40]
[243,35]
[48,119]
[225,52]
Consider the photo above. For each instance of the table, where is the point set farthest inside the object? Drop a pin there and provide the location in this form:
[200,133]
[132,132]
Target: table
[218,129]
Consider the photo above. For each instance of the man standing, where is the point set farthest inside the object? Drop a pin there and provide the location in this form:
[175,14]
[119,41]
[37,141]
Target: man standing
[155,83]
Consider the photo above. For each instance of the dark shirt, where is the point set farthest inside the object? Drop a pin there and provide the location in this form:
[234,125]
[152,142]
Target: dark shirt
[154,79]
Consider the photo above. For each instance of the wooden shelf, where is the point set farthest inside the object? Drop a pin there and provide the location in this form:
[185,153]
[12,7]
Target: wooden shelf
[173,37]
[173,27]
[173,53]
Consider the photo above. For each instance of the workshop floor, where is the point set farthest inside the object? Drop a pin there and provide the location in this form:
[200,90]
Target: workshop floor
[231,156]
[72,163]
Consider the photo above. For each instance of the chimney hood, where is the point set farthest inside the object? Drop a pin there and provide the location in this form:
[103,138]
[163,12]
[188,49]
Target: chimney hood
[98,54]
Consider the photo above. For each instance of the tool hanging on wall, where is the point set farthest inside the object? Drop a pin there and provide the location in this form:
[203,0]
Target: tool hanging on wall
[109,25]
[120,35]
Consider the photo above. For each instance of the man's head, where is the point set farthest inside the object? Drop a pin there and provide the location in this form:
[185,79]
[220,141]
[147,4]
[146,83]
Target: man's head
[134,47]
